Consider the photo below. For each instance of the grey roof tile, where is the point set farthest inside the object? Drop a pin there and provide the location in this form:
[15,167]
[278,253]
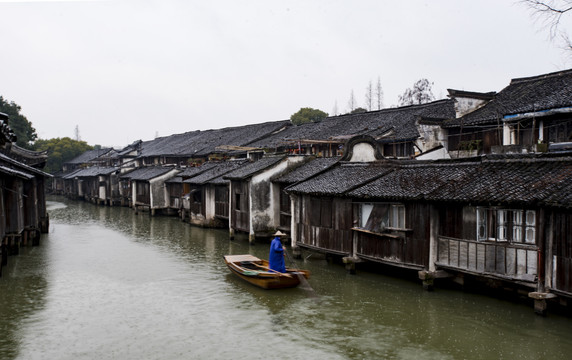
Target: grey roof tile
[507,180]
[88,156]
[146,173]
[393,124]
[252,168]
[95,171]
[341,178]
[215,172]
[531,94]
[307,170]
[202,143]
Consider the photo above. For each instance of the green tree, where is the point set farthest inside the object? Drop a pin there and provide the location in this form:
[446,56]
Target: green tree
[306,115]
[25,132]
[358,110]
[60,150]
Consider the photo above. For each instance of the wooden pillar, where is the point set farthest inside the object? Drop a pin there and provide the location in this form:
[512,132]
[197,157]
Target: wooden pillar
[433,236]
[296,252]
[4,251]
[36,238]
[14,244]
[545,248]
[45,224]
[294,217]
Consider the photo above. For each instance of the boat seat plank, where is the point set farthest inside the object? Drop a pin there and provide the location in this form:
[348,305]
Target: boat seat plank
[241,258]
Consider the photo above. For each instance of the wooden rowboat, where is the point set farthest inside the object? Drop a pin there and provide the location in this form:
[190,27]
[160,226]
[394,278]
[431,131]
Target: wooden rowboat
[257,272]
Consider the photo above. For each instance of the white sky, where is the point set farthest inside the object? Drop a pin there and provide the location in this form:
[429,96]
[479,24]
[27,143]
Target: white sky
[126,70]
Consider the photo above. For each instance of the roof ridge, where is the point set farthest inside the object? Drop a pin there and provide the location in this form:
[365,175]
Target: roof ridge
[393,109]
[542,76]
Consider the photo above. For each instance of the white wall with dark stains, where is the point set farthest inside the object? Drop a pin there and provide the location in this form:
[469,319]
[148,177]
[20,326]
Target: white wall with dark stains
[264,198]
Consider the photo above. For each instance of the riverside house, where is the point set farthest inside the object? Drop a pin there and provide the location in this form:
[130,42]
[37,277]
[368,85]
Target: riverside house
[401,132]
[207,202]
[498,219]
[531,114]
[254,198]
[147,187]
[23,213]
[301,173]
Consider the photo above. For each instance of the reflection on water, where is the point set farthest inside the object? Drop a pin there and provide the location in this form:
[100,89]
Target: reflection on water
[107,283]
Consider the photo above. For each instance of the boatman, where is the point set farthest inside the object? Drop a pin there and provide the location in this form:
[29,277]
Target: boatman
[276,257]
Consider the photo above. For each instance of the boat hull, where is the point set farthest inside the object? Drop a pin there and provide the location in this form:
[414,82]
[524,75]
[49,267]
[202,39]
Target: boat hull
[256,271]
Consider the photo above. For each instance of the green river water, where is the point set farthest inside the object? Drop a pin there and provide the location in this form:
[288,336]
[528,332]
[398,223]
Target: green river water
[107,283]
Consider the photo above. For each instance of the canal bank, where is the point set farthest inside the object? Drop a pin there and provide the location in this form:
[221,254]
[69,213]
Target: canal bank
[108,283]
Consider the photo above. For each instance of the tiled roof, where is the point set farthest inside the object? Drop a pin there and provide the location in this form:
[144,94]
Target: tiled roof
[95,171]
[13,172]
[89,156]
[221,168]
[202,143]
[193,171]
[147,173]
[531,94]
[175,180]
[520,180]
[307,170]
[534,180]
[385,125]
[341,178]
[240,136]
[413,180]
[10,163]
[70,175]
[252,168]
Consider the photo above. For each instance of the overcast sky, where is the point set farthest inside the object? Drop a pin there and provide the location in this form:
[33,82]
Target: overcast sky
[128,70]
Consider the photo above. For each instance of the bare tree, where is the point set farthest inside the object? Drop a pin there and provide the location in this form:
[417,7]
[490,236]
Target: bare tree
[335,111]
[352,102]
[550,13]
[77,137]
[379,94]
[369,96]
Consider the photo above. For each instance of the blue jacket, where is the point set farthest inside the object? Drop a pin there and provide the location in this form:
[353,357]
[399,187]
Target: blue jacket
[276,257]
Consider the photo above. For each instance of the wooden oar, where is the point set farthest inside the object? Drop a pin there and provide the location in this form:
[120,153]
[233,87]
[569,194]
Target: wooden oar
[272,270]
[301,277]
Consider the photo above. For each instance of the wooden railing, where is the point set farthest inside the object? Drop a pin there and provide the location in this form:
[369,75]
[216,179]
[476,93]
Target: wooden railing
[507,260]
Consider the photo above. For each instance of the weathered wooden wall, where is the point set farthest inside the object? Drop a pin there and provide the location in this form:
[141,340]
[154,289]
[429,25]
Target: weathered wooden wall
[175,191]
[325,224]
[221,201]
[408,247]
[285,220]
[142,195]
[240,212]
[562,251]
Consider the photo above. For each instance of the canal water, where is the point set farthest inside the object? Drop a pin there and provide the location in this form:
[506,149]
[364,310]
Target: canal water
[107,283]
